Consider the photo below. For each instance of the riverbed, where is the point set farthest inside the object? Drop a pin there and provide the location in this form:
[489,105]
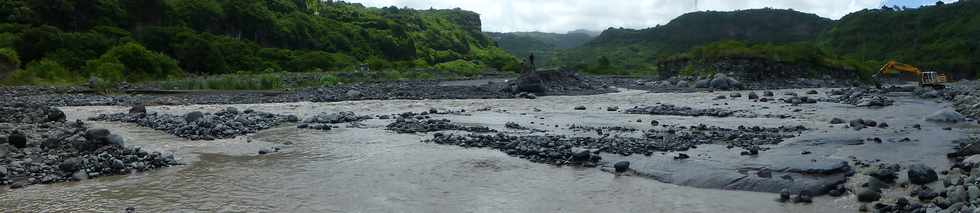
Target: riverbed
[369,169]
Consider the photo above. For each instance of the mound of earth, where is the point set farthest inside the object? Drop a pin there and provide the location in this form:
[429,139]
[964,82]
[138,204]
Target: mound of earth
[544,82]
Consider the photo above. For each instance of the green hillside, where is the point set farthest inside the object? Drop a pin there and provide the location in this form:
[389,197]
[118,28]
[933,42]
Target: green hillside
[543,45]
[629,51]
[944,38]
[68,41]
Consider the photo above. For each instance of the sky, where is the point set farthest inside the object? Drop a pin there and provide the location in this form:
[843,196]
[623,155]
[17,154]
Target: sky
[565,15]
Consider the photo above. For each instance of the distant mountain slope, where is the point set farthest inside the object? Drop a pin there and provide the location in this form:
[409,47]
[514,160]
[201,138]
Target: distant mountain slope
[543,45]
[637,49]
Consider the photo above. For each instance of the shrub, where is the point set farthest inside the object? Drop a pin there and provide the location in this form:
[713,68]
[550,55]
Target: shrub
[460,67]
[138,64]
[43,72]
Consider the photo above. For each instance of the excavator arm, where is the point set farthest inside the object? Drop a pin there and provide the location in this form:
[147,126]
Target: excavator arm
[900,67]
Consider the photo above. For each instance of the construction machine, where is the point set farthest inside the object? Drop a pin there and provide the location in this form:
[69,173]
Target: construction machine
[926,79]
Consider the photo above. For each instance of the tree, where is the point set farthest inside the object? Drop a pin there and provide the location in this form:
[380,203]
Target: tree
[201,15]
[940,3]
[198,55]
[138,64]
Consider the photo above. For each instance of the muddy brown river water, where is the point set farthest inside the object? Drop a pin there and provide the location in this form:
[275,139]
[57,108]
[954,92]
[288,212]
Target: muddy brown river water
[369,169]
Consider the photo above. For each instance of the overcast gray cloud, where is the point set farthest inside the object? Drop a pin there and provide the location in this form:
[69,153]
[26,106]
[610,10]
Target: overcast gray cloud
[566,15]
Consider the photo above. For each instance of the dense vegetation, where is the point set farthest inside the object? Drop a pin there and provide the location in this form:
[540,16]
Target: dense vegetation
[69,41]
[943,37]
[699,60]
[542,45]
[626,51]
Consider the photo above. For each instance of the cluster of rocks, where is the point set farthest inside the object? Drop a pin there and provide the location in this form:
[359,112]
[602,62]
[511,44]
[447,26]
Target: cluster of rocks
[228,123]
[601,130]
[680,138]
[556,150]
[412,125]
[859,124]
[860,97]
[67,151]
[323,120]
[561,149]
[968,105]
[668,109]
[719,81]
[25,113]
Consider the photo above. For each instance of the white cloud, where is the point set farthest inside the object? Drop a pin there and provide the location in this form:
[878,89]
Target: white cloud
[566,15]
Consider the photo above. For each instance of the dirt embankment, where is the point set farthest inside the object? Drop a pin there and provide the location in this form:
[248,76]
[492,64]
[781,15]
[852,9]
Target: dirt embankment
[755,69]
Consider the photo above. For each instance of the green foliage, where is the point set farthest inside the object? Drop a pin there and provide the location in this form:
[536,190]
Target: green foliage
[9,57]
[941,38]
[44,72]
[138,64]
[214,37]
[460,67]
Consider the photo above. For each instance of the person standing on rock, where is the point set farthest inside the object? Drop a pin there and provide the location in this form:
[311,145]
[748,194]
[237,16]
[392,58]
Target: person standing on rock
[531,61]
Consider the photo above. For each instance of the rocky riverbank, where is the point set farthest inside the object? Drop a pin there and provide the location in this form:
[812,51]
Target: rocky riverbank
[228,123]
[50,150]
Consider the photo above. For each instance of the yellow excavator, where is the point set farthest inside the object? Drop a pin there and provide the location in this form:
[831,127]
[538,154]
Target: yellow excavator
[926,79]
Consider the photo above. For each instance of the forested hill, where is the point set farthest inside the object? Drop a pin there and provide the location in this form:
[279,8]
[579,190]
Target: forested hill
[543,45]
[941,37]
[65,41]
[638,49]
[692,29]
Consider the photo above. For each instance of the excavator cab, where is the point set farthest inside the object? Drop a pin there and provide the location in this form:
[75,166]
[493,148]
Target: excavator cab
[933,79]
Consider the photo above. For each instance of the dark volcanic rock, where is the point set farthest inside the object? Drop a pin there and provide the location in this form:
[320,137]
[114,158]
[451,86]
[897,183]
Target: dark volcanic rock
[193,116]
[867,195]
[17,139]
[138,109]
[622,166]
[921,174]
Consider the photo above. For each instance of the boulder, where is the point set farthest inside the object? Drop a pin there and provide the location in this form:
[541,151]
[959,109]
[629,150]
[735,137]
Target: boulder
[580,108]
[768,94]
[116,140]
[946,116]
[354,93]
[723,82]
[736,95]
[753,96]
[867,195]
[682,83]
[612,108]
[622,166]
[836,121]
[193,116]
[97,134]
[921,174]
[702,83]
[17,139]
[138,109]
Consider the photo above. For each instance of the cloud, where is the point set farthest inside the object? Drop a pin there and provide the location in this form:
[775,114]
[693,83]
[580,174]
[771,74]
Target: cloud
[567,15]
